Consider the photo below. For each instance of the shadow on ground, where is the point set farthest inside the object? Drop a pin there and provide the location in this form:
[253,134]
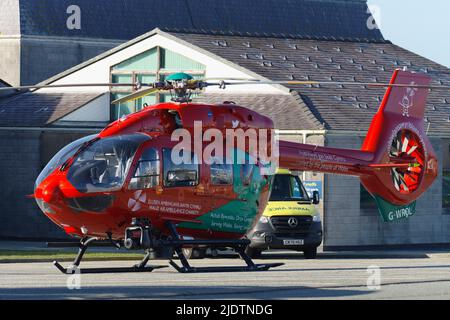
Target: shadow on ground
[180,292]
[273,255]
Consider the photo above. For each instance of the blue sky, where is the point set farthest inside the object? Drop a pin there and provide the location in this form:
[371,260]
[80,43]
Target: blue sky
[417,25]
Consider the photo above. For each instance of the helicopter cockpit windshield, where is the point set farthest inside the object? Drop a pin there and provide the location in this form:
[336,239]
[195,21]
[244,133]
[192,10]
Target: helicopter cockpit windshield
[62,156]
[103,166]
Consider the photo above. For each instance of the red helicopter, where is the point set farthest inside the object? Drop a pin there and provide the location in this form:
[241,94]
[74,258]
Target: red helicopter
[124,186]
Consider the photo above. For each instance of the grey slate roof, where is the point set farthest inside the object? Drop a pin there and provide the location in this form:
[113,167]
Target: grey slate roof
[38,109]
[127,19]
[329,107]
[349,108]
[4,84]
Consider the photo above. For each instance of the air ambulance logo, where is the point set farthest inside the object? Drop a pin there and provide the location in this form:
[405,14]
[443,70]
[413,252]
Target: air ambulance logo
[138,201]
[408,99]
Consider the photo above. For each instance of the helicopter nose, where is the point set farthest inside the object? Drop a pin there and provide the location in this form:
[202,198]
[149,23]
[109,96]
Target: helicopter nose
[44,195]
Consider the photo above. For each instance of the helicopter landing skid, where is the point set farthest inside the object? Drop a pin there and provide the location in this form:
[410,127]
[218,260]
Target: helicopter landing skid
[251,267]
[84,243]
[238,245]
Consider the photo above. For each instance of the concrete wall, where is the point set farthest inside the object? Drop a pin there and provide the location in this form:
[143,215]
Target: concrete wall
[345,224]
[9,17]
[10,60]
[9,41]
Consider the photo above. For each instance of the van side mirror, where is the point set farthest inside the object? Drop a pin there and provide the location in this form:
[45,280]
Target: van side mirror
[316,197]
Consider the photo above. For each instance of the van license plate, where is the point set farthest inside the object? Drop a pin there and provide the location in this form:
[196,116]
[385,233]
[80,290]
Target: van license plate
[293,242]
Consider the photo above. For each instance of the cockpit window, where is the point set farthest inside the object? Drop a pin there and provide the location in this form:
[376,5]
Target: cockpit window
[180,175]
[62,156]
[103,166]
[146,175]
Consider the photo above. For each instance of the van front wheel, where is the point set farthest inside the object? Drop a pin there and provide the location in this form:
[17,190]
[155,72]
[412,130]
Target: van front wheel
[194,253]
[310,253]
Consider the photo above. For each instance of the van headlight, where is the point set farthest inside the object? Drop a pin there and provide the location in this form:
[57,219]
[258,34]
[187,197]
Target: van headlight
[316,217]
[264,219]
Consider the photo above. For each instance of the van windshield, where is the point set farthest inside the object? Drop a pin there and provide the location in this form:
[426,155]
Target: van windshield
[288,188]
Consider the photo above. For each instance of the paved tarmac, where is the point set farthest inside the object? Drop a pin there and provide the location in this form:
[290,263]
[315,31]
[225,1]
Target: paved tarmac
[412,275]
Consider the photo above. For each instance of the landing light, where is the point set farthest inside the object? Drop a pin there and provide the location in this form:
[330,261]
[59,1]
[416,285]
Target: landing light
[69,229]
[264,219]
[316,218]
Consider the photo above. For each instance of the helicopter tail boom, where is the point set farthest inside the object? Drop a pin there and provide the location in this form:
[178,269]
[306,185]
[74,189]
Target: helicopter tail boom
[396,163]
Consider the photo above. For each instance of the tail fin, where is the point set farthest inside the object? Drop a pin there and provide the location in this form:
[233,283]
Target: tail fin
[398,140]
[400,105]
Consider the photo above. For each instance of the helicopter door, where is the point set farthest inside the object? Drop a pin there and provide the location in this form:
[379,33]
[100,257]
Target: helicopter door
[147,171]
[182,188]
[145,179]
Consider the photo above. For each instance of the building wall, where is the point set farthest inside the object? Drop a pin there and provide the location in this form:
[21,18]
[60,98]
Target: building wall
[9,41]
[43,58]
[19,167]
[31,60]
[346,225]
[23,155]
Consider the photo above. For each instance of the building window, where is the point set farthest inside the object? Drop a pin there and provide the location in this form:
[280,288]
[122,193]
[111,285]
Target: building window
[147,171]
[148,67]
[180,175]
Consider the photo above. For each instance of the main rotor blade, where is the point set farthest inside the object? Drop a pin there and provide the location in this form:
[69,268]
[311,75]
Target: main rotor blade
[306,83]
[231,79]
[223,83]
[82,85]
[136,95]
